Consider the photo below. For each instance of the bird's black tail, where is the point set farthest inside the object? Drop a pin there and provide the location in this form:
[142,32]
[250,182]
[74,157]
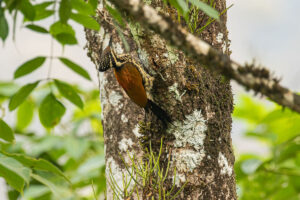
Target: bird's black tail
[160,113]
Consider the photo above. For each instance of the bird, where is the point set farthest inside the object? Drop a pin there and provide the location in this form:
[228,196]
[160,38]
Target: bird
[133,79]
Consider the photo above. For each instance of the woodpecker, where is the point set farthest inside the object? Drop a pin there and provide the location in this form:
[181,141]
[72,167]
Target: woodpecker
[133,79]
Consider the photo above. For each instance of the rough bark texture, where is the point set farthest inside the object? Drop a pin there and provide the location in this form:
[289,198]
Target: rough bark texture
[198,143]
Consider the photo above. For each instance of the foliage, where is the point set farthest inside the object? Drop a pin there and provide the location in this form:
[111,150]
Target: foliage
[55,163]
[276,175]
[80,11]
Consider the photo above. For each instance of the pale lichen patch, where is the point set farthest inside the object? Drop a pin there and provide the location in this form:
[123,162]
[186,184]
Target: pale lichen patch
[106,40]
[136,131]
[100,5]
[174,88]
[103,95]
[180,179]
[135,31]
[143,56]
[224,46]
[223,163]
[191,131]
[114,99]
[118,48]
[124,118]
[125,143]
[220,37]
[173,57]
[220,139]
[186,160]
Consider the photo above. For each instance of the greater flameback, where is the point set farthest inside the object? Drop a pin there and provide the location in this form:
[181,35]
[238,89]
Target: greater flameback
[133,79]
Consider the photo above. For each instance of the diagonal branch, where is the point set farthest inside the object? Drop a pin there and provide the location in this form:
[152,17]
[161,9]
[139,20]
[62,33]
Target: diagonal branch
[251,77]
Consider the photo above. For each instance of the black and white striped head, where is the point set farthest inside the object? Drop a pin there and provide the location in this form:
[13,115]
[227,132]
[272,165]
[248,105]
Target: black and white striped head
[105,60]
[109,59]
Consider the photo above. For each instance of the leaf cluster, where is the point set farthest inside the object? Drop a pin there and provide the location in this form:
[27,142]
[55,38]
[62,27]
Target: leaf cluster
[57,165]
[275,175]
[34,13]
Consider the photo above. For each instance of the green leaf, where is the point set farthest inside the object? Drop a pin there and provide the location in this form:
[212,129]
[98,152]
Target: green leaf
[181,6]
[12,4]
[5,132]
[65,10]
[75,67]
[57,191]
[25,114]
[83,7]
[289,151]
[27,9]
[93,163]
[37,28]
[7,89]
[3,26]
[86,21]
[287,192]
[15,174]
[211,12]
[116,15]
[43,6]
[35,191]
[76,147]
[29,66]
[69,93]
[65,38]
[244,109]
[46,144]
[41,12]
[38,164]
[64,33]
[58,28]
[51,111]
[93,3]
[21,95]
[43,15]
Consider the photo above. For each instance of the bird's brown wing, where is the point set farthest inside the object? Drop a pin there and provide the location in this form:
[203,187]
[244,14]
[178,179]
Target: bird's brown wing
[131,81]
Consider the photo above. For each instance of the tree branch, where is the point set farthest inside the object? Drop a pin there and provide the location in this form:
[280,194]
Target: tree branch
[250,76]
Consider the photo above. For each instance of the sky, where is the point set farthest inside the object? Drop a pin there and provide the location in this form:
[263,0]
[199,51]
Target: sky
[265,30]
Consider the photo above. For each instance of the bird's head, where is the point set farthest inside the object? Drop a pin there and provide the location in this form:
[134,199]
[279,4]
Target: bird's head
[109,59]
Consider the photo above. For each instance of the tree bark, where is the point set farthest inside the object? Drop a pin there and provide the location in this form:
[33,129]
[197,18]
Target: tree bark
[196,148]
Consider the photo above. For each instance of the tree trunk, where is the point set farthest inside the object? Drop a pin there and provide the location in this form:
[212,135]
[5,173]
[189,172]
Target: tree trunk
[194,152]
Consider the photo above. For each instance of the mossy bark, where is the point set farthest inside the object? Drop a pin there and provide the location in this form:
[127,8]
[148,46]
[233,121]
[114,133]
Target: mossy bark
[197,143]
